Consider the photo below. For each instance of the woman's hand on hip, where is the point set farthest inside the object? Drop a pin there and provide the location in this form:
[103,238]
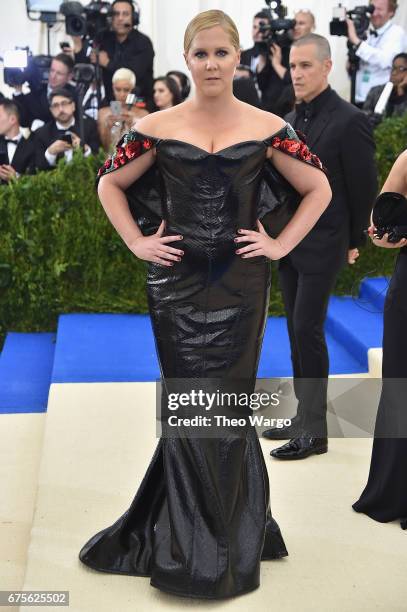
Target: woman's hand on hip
[260,244]
[155,248]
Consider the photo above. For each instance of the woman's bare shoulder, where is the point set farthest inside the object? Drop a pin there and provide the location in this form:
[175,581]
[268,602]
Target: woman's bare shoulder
[262,121]
[155,124]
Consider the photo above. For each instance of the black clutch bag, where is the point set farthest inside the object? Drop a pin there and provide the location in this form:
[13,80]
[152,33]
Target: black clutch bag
[390,216]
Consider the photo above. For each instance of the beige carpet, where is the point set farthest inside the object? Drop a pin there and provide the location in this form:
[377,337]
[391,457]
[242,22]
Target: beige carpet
[98,441]
[20,453]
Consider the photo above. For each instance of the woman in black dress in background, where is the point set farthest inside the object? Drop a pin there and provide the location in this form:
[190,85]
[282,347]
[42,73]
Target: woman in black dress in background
[201,522]
[384,498]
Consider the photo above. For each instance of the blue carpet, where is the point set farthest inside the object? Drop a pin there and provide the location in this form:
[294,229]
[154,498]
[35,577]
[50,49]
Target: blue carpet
[104,348]
[25,372]
[373,293]
[355,324]
[120,348]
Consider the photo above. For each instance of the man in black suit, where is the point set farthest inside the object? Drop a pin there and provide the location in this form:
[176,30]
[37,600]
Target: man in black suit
[59,137]
[16,152]
[269,64]
[35,104]
[341,136]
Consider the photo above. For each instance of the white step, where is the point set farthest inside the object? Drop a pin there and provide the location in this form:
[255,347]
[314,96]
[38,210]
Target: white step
[98,441]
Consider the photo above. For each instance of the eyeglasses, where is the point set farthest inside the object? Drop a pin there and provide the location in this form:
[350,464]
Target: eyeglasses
[399,69]
[63,104]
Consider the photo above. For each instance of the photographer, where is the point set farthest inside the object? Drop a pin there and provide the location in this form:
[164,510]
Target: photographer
[269,64]
[16,152]
[34,106]
[376,53]
[122,47]
[59,137]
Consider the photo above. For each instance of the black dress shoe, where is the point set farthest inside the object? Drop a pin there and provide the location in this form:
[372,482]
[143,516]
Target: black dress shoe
[284,433]
[299,448]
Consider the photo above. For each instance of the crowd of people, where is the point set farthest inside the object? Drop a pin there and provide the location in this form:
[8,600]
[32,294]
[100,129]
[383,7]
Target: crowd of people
[124,57]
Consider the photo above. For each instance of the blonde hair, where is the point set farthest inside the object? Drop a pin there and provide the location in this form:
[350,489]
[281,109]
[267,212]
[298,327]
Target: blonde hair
[124,74]
[210,19]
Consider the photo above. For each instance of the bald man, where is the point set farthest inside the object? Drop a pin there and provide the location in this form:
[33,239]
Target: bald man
[341,136]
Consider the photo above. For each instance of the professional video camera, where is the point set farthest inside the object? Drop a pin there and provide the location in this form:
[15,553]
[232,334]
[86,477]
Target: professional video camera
[360,15]
[89,20]
[277,29]
[20,66]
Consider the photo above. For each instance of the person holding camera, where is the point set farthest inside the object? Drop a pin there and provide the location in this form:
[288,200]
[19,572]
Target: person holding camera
[58,138]
[385,40]
[119,117]
[16,151]
[34,106]
[269,63]
[121,47]
[380,104]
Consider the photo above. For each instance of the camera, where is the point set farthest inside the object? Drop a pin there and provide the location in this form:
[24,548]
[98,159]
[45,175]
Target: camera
[360,15]
[20,66]
[277,29]
[88,20]
[84,73]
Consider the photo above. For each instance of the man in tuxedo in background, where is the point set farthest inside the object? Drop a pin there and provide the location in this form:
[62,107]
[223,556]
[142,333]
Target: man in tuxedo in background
[16,152]
[341,136]
[59,137]
[34,106]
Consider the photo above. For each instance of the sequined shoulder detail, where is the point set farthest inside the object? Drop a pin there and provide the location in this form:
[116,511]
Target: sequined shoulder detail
[130,146]
[288,141]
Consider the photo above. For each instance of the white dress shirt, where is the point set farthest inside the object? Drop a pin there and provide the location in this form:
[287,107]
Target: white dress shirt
[52,159]
[11,146]
[376,57]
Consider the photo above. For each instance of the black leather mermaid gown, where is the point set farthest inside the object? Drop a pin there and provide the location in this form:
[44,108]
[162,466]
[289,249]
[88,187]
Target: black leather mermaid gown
[201,522]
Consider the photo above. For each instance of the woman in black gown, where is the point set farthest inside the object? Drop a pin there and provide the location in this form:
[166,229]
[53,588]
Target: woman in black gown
[384,498]
[201,522]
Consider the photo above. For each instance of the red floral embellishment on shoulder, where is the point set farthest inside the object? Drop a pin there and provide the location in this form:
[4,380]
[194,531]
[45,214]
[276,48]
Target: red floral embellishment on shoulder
[298,149]
[128,148]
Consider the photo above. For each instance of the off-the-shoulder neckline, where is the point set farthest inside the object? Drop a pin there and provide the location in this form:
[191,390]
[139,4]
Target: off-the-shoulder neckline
[159,140]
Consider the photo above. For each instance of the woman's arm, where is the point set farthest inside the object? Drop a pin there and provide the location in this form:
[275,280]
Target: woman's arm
[312,184]
[397,179]
[113,199]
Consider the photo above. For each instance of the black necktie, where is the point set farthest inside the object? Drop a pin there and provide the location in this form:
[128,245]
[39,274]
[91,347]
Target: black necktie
[373,32]
[13,141]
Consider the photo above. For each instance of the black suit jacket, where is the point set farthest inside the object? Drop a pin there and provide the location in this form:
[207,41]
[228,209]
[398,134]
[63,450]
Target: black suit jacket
[341,136]
[273,89]
[48,133]
[35,105]
[24,156]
